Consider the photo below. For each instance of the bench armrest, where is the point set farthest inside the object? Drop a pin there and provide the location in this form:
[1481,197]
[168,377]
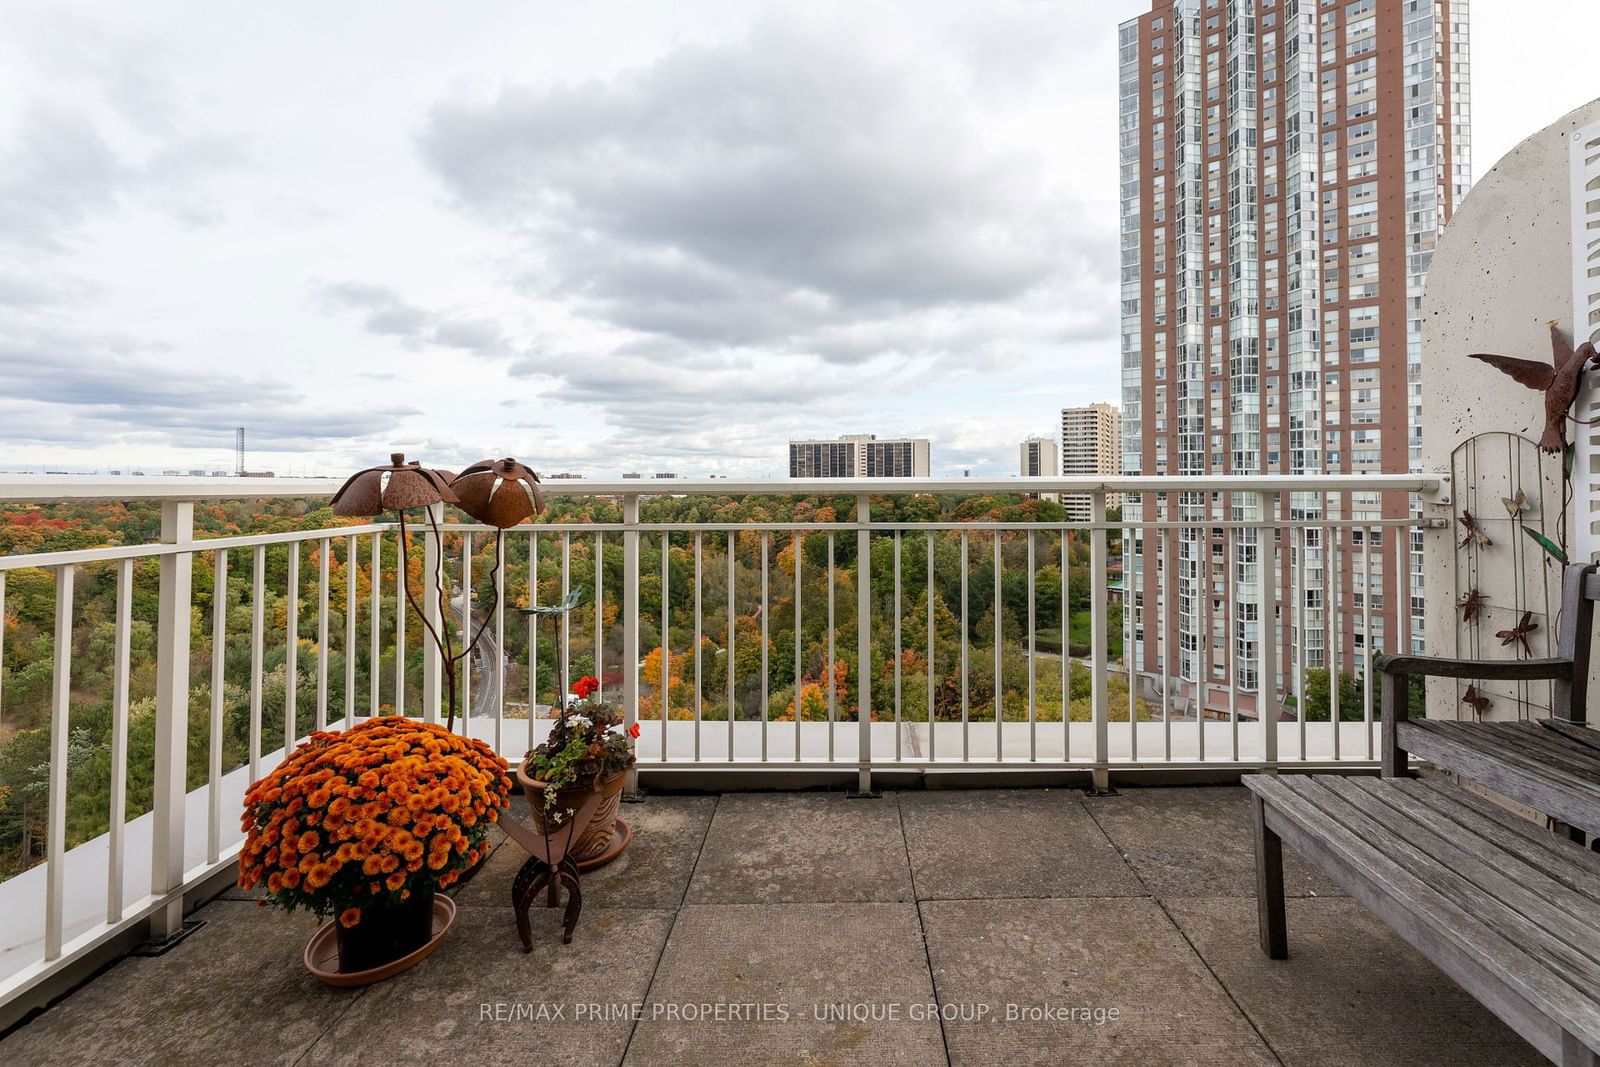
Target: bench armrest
[1486,670]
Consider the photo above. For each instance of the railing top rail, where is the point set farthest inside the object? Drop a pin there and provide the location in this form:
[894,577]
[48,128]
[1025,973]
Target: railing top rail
[45,489]
[42,489]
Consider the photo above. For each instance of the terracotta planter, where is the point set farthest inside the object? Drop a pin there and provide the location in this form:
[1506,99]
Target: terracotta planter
[339,959]
[593,840]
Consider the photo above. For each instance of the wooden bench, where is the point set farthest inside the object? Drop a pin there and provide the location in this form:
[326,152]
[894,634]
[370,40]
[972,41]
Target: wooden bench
[1506,908]
[1549,765]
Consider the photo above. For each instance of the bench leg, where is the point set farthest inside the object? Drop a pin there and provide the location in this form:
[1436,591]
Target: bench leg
[1393,692]
[1574,1053]
[1269,888]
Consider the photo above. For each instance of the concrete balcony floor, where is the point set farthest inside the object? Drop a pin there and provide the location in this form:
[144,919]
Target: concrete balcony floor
[786,903]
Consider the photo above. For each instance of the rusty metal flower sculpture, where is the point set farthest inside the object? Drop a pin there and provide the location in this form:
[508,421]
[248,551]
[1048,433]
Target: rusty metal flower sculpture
[499,492]
[398,487]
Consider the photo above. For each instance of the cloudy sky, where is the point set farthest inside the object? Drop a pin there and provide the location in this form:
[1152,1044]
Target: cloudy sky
[602,237]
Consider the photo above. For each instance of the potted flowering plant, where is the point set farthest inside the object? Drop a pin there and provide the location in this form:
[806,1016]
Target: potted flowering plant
[587,750]
[366,825]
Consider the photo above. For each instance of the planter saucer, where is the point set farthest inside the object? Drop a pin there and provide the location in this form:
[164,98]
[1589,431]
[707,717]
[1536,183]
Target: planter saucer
[621,834]
[322,951]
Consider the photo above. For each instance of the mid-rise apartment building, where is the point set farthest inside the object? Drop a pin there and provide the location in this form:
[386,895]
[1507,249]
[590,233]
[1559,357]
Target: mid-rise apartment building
[1091,444]
[1286,167]
[860,456]
[1038,457]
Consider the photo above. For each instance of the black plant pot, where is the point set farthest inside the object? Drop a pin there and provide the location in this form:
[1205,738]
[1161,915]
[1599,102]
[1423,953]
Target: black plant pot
[385,933]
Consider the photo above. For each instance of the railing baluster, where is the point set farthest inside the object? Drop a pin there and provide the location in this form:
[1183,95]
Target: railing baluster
[899,749]
[2,644]
[863,643]
[350,633]
[1033,705]
[56,805]
[565,677]
[1128,646]
[219,641]
[465,614]
[599,616]
[533,634]
[932,721]
[1203,645]
[375,627]
[1267,629]
[799,642]
[1231,539]
[1066,644]
[401,605]
[699,645]
[433,577]
[966,741]
[765,612]
[325,548]
[1366,626]
[1298,585]
[733,677]
[998,607]
[832,686]
[291,661]
[666,639]
[1166,540]
[499,641]
[1336,584]
[1098,667]
[258,604]
[630,624]
[115,850]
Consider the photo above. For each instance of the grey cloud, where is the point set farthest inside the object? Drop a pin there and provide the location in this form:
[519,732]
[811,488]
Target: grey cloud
[77,387]
[758,192]
[385,313]
[55,168]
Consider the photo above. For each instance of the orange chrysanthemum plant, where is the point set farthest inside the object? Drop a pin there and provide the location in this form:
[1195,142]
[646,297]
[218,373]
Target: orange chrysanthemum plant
[361,820]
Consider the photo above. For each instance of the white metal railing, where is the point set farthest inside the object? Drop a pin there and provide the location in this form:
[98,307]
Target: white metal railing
[962,717]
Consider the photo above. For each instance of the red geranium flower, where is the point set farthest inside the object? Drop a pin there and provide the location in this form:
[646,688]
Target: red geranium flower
[633,731]
[585,685]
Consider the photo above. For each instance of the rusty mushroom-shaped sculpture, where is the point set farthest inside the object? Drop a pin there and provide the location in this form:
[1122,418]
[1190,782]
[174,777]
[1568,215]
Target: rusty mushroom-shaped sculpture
[498,492]
[400,487]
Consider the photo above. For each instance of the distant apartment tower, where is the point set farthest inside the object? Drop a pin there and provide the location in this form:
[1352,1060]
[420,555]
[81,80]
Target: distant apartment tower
[1039,457]
[1091,444]
[1286,168]
[860,456]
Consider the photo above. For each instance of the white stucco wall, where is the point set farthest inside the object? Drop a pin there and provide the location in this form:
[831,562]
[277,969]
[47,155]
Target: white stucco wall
[1502,270]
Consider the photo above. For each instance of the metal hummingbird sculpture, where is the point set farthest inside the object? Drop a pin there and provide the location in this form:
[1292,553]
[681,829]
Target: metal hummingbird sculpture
[1557,380]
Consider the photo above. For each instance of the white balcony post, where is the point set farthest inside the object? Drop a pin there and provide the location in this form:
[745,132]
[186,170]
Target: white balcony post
[432,663]
[1098,667]
[56,804]
[172,718]
[863,643]
[1267,708]
[630,625]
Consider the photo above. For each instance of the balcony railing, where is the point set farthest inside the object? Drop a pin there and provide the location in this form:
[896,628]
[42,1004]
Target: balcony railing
[860,649]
